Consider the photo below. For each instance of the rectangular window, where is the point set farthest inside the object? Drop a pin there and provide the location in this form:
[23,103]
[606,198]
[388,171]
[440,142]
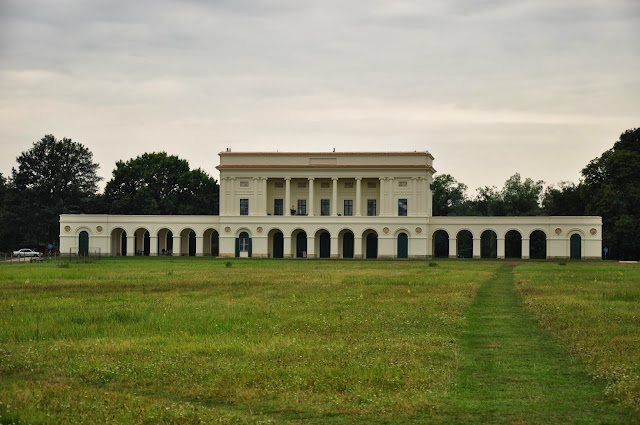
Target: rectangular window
[278,207]
[279,185]
[402,183]
[348,185]
[244,206]
[244,183]
[402,207]
[324,207]
[371,185]
[371,207]
[302,185]
[302,207]
[244,245]
[324,185]
[348,207]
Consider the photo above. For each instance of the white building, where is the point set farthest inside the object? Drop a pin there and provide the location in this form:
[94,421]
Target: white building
[337,205]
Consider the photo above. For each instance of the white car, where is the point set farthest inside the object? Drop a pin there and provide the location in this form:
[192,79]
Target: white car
[26,252]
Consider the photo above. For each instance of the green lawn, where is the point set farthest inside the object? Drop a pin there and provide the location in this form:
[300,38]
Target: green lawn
[201,340]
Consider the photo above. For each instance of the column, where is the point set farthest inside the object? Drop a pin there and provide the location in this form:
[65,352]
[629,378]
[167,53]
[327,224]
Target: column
[199,246]
[382,197]
[222,204]
[476,248]
[426,196]
[392,209]
[265,196]
[357,246]
[413,207]
[131,244]
[311,246]
[255,208]
[526,244]
[500,247]
[358,196]
[287,195]
[231,208]
[334,197]
[453,247]
[334,247]
[153,245]
[311,201]
[177,242]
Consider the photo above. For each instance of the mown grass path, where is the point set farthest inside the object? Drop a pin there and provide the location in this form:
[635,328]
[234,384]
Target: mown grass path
[512,371]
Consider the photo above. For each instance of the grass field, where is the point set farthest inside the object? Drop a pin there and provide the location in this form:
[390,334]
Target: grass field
[201,340]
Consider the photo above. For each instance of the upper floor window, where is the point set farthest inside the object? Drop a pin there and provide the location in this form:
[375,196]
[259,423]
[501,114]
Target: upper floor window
[324,185]
[244,183]
[302,207]
[302,185]
[278,208]
[402,183]
[371,207]
[244,206]
[348,185]
[348,207]
[324,207]
[371,185]
[402,207]
[278,185]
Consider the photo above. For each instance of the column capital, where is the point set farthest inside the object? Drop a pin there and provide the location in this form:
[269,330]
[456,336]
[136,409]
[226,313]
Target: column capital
[358,178]
[257,178]
[287,178]
[334,178]
[311,178]
[415,178]
[264,178]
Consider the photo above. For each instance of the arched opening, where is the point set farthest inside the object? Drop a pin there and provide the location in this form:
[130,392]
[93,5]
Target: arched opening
[165,242]
[403,245]
[538,245]
[277,244]
[243,245]
[513,244]
[210,243]
[83,243]
[441,244]
[118,242]
[142,242]
[188,242]
[370,238]
[347,244]
[300,242]
[488,244]
[575,244]
[464,242]
[325,245]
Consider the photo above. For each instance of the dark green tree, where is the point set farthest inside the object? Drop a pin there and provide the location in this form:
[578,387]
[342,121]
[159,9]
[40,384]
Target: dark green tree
[157,183]
[448,196]
[522,197]
[563,200]
[611,189]
[53,177]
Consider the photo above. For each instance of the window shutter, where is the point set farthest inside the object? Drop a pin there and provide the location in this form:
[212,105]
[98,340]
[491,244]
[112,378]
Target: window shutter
[249,247]
[237,247]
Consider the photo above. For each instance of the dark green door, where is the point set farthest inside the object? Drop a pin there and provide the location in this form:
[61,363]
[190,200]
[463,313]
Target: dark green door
[215,244]
[372,245]
[278,245]
[347,245]
[147,244]
[403,246]
[192,244]
[123,243]
[301,245]
[325,245]
[576,247]
[83,243]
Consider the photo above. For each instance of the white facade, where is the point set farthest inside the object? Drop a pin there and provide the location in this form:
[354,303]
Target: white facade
[338,205]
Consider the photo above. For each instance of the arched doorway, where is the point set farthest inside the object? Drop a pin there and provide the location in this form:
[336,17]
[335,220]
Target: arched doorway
[278,245]
[513,244]
[118,242]
[488,244]
[165,242]
[325,245]
[464,242]
[403,245]
[215,244]
[243,245]
[371,247]
[83,243]
[575,244]
[301,244]
[142,242]
[347,244]
[188,242]
[441,244]
[538,245]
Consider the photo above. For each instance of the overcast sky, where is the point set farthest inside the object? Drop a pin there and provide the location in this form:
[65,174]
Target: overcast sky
[489,87]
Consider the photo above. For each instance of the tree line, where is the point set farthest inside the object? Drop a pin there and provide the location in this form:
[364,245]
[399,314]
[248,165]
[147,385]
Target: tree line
[59,177]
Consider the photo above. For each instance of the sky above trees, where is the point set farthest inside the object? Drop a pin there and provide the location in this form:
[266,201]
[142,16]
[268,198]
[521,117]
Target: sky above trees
[490,88]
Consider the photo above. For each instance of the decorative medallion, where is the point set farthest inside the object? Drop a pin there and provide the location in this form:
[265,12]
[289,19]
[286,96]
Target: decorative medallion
[99,229]
[67,229]
[558,231]
[227,229]
[593,231]
[418,230]
[385,230]
[259,229]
